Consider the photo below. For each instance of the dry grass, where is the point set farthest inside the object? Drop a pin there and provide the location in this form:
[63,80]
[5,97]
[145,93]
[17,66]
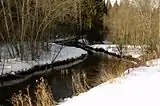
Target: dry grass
[106,71]
[79,82]
[135,23]
[42,97]
[93,76]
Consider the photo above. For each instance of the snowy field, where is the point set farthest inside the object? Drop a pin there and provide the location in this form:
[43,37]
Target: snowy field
[56,53]
[138,87]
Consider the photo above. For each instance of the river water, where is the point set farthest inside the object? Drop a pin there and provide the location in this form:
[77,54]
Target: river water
[61,82]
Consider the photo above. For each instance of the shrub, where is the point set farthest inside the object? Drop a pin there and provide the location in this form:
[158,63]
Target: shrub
[135,22]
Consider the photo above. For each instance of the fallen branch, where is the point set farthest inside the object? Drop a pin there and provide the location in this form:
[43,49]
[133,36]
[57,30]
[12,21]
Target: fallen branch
[92,50]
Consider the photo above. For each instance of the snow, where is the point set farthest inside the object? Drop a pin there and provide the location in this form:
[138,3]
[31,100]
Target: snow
[154,3]
[138,87]
[113,2]
[154,62]
[56,53]
[127,50]
[86,42]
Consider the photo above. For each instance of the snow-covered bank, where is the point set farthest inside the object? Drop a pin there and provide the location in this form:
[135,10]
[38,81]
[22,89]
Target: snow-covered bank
[140,87]
[56,53]
[107,47]
[126,50]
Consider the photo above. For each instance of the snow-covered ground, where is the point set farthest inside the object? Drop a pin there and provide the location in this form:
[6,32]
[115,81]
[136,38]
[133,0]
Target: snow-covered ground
[56,53]
[138,87]
[127,50]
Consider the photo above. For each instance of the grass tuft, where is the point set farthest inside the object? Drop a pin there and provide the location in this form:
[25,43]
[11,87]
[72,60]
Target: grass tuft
[42,97]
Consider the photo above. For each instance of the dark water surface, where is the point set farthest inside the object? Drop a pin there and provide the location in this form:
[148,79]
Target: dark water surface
[61,82]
